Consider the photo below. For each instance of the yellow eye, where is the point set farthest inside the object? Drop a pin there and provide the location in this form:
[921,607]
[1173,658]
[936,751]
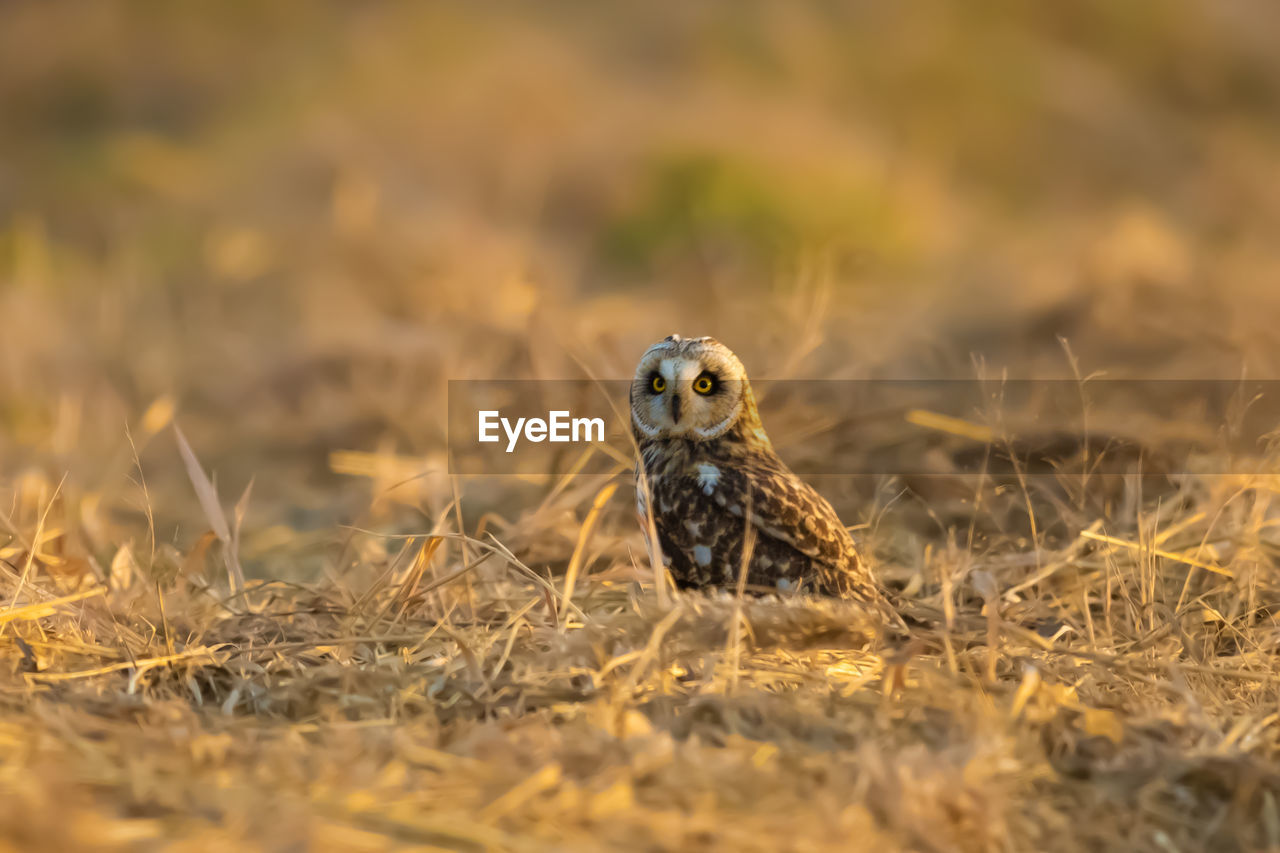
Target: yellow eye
[658,384]
[703,384]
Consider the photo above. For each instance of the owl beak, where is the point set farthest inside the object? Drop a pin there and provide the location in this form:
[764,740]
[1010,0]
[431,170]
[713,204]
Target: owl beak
[675,409]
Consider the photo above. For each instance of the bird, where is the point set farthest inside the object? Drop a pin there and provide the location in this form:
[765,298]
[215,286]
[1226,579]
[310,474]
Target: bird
[710,487]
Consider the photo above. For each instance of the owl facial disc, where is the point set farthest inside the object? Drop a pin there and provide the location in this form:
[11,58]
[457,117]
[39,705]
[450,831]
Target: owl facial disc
[690,388]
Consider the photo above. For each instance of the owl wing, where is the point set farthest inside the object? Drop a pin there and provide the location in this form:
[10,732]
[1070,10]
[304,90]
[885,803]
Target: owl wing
[799,539]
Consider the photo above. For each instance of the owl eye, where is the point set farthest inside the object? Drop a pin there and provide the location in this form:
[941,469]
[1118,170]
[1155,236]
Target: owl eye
[704,384]
[658,384]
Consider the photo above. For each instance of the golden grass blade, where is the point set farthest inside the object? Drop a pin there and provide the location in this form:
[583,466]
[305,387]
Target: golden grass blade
[41,609]
[208,497]
[1158,552]
[29,563]
[579,550]
[208,654]
[948,424]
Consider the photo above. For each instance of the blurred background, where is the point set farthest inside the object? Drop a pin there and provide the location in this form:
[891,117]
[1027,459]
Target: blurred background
[287,225]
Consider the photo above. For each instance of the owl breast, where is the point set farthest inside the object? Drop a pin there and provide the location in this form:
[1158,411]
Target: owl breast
[721,508]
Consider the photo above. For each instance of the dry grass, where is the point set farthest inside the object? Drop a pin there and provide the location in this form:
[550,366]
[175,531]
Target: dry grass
[286,227]
[409,701]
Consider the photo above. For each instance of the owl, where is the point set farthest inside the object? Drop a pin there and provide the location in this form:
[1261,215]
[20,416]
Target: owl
[713,483]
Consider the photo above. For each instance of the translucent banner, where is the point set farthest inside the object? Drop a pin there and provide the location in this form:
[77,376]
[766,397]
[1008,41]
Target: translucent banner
[887,427]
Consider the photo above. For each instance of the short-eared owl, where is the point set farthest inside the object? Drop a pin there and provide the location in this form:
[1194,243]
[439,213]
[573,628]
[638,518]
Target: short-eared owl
[706,467]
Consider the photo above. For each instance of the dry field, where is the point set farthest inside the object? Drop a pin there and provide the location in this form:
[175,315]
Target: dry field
[243,248]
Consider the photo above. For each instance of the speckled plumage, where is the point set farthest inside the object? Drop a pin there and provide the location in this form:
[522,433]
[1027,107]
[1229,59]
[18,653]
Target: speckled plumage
[707,470]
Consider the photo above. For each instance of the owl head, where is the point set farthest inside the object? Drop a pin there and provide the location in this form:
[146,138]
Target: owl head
[695,389]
